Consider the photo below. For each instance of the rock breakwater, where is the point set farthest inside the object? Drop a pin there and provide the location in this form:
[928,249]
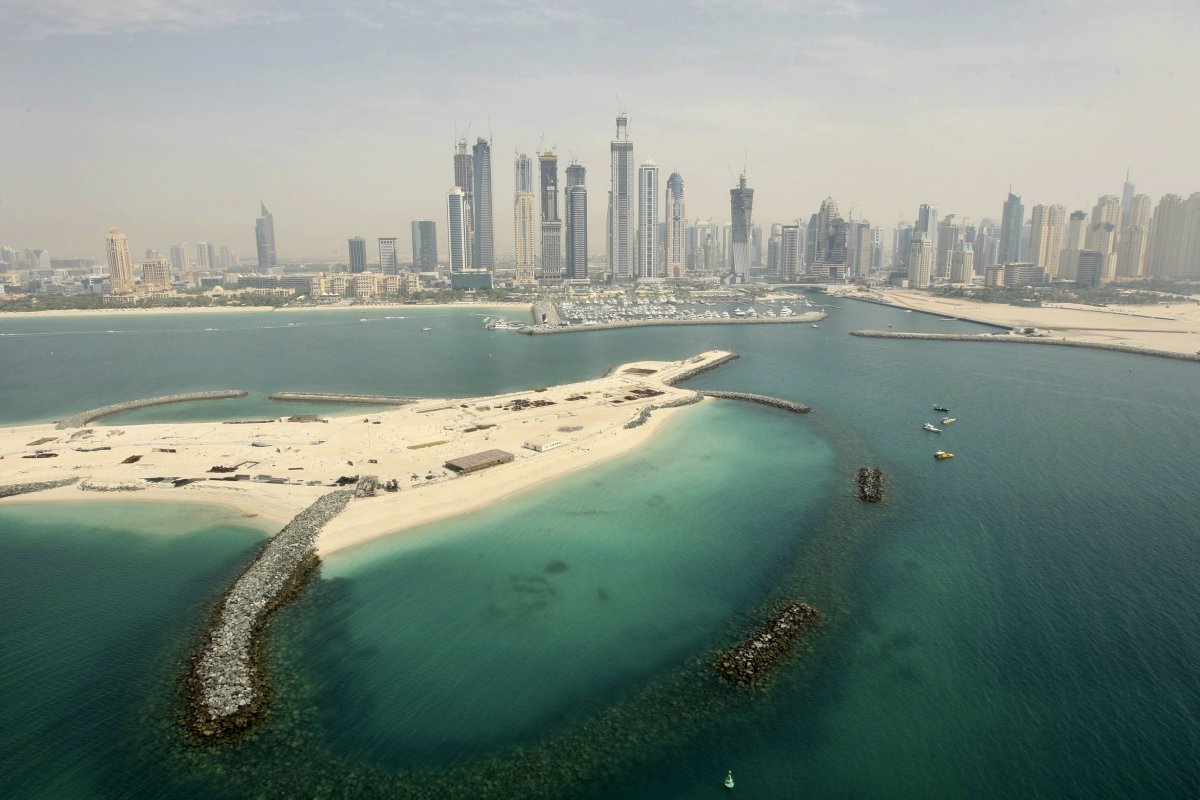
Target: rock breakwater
[762,399]
[355,399]
[869,484]
[680,377]
[13,489]
[226,687]
[644,415]
[815,316]
[765,649]
[83,418]
[1013,338]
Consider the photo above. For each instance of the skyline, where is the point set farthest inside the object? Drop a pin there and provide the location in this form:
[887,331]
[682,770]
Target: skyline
[348,144]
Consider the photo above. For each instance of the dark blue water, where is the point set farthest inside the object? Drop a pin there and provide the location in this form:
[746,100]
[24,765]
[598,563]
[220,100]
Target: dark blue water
[1017,622]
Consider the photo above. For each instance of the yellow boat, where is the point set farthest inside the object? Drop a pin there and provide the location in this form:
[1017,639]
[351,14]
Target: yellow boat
[941,454]
[948,421]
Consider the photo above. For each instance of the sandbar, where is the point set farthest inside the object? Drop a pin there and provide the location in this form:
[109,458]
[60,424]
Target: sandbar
[577,424]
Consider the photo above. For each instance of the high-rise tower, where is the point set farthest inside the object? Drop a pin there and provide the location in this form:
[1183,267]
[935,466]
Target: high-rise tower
[120,265]
[464,178]
[1047,234]
[264,234]
[576,216]
[1011,222]
[1126,199]
[927,223]
[647,235]
[523,220]
[552,265]
[424,245]
[1135,237]
[483,252]
[458,242]
[741,204]
[358,254]
[620,203]
[675,214]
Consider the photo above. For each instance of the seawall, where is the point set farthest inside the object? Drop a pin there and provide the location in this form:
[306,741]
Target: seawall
[83,418]
[332,397]
[762,399]
[815,316]
[693,372]
[938,314]
[226,687]
[1017,339]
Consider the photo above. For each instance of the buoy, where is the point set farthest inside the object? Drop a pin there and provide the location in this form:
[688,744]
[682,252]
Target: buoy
[729,780]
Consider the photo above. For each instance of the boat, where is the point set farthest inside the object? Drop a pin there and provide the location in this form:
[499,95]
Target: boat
[948,421]
[729,780]
[941,455]
[816,325]
[929,426]
[943,409]
[908,311]
[426,329]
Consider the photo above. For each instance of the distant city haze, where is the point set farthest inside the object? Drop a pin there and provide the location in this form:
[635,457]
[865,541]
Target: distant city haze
[174,122]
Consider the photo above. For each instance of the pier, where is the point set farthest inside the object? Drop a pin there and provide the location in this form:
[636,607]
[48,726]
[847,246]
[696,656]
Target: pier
[1013,338]
[226,687]
[83,418]
[333,397]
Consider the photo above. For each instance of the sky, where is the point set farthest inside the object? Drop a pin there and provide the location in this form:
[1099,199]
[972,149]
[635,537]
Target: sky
[172,118]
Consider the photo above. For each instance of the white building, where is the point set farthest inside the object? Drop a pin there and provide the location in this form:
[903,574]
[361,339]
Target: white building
[647,239]
[620,203]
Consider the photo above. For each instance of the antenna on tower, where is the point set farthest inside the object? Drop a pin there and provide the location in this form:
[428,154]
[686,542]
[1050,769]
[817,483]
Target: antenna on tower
[745,160]
[489,130]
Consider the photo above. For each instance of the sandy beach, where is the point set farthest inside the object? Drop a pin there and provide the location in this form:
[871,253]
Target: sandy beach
[1174,327]
[125,311]
[409,444]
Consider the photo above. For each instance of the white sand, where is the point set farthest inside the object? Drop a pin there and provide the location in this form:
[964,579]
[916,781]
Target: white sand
[1174,327]
[323,451]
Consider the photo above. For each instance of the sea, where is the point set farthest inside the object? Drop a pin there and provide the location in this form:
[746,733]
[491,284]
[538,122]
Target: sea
[1022,621]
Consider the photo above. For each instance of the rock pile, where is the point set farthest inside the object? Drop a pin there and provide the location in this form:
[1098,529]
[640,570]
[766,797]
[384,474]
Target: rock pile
[870,484]
[79,420]
[762,399]
[694,371]
[225,686]
[13,489]
[765,648]
[644,415]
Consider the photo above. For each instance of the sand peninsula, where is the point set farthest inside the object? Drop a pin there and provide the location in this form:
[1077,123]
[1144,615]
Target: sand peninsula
[274,469]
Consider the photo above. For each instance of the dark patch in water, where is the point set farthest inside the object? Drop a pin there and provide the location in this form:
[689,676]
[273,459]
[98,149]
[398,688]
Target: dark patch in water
[903,641]
[555,567]
[655,500]
[911,564]
[905,675]
[602,594]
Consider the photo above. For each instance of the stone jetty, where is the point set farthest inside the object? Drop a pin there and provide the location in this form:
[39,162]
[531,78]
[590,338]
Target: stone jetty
[83,418]
[355,399]
[869,484]
[765,648]
[815,316]
[13,489]
[644,415]
[694,371]
[226,687]
[762,399]
[1016,338]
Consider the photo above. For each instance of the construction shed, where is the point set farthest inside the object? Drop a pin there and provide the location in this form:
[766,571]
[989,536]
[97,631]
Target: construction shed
[478,461]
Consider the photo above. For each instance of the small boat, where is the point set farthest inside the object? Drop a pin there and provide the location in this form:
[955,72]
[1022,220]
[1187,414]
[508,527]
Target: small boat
[729,780]
[948,421]
[426,329]
[908,311]
[929,426]
[815,325]
[943,409]
[941,455]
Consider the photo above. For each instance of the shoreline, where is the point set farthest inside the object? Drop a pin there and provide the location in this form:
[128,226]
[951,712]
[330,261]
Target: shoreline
[1018,339]
[126,312]
[278,469]
[811,316]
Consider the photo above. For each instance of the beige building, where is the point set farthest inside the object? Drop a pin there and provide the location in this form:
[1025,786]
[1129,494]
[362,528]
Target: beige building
[920,262]
[1135,237]
[1102,233]
[523,228]
[156,275]
[120,265]
[1048,230]
[364,285]
[1076,238]
[1174,249]
[410,282]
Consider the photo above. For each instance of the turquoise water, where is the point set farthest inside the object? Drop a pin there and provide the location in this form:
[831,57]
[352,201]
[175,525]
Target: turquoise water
[1017,622]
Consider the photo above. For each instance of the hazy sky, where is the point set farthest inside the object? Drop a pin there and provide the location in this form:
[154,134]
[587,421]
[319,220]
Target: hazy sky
[172,118]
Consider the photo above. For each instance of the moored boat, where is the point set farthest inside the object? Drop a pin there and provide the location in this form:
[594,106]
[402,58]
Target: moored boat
[948,421]
[941,455]
[941,408]
[929,426]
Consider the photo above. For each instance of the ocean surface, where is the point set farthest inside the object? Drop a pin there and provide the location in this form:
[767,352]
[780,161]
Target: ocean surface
[1018,622]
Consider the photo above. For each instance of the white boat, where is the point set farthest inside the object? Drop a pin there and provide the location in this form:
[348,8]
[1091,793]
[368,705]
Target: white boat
[426,329]
[929,426]
[729,780]
[816,325]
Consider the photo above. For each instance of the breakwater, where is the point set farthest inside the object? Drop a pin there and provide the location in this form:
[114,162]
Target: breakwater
[815,316]
[869,483]
[762,399]
[644,415]
[679,377]
[225,687]
[757,655]
[83,418]
[333,397]
[1019,339]
[14,489]
[938,314]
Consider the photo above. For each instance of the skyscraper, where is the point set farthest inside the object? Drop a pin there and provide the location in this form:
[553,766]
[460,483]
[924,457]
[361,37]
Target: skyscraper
[179,257]
[156,274]
[1126,199]
[204,256]
[523,220]
[1174,250]
[675,214]
[860,265]
[1075,240]
[949,234]
[962,262]
[1011,223]
[901,242]
[358,254]
[387,255]
[789,252]
[424,245]
[120,265]
[620,203]
[920,262]
[741,205]
[264,234]
[1102,233]
[1047,233]
[576,214]
[552,265]
[927,223]
[458,244]
[483,253]
[1135,237]
[647,234]
[464,178]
